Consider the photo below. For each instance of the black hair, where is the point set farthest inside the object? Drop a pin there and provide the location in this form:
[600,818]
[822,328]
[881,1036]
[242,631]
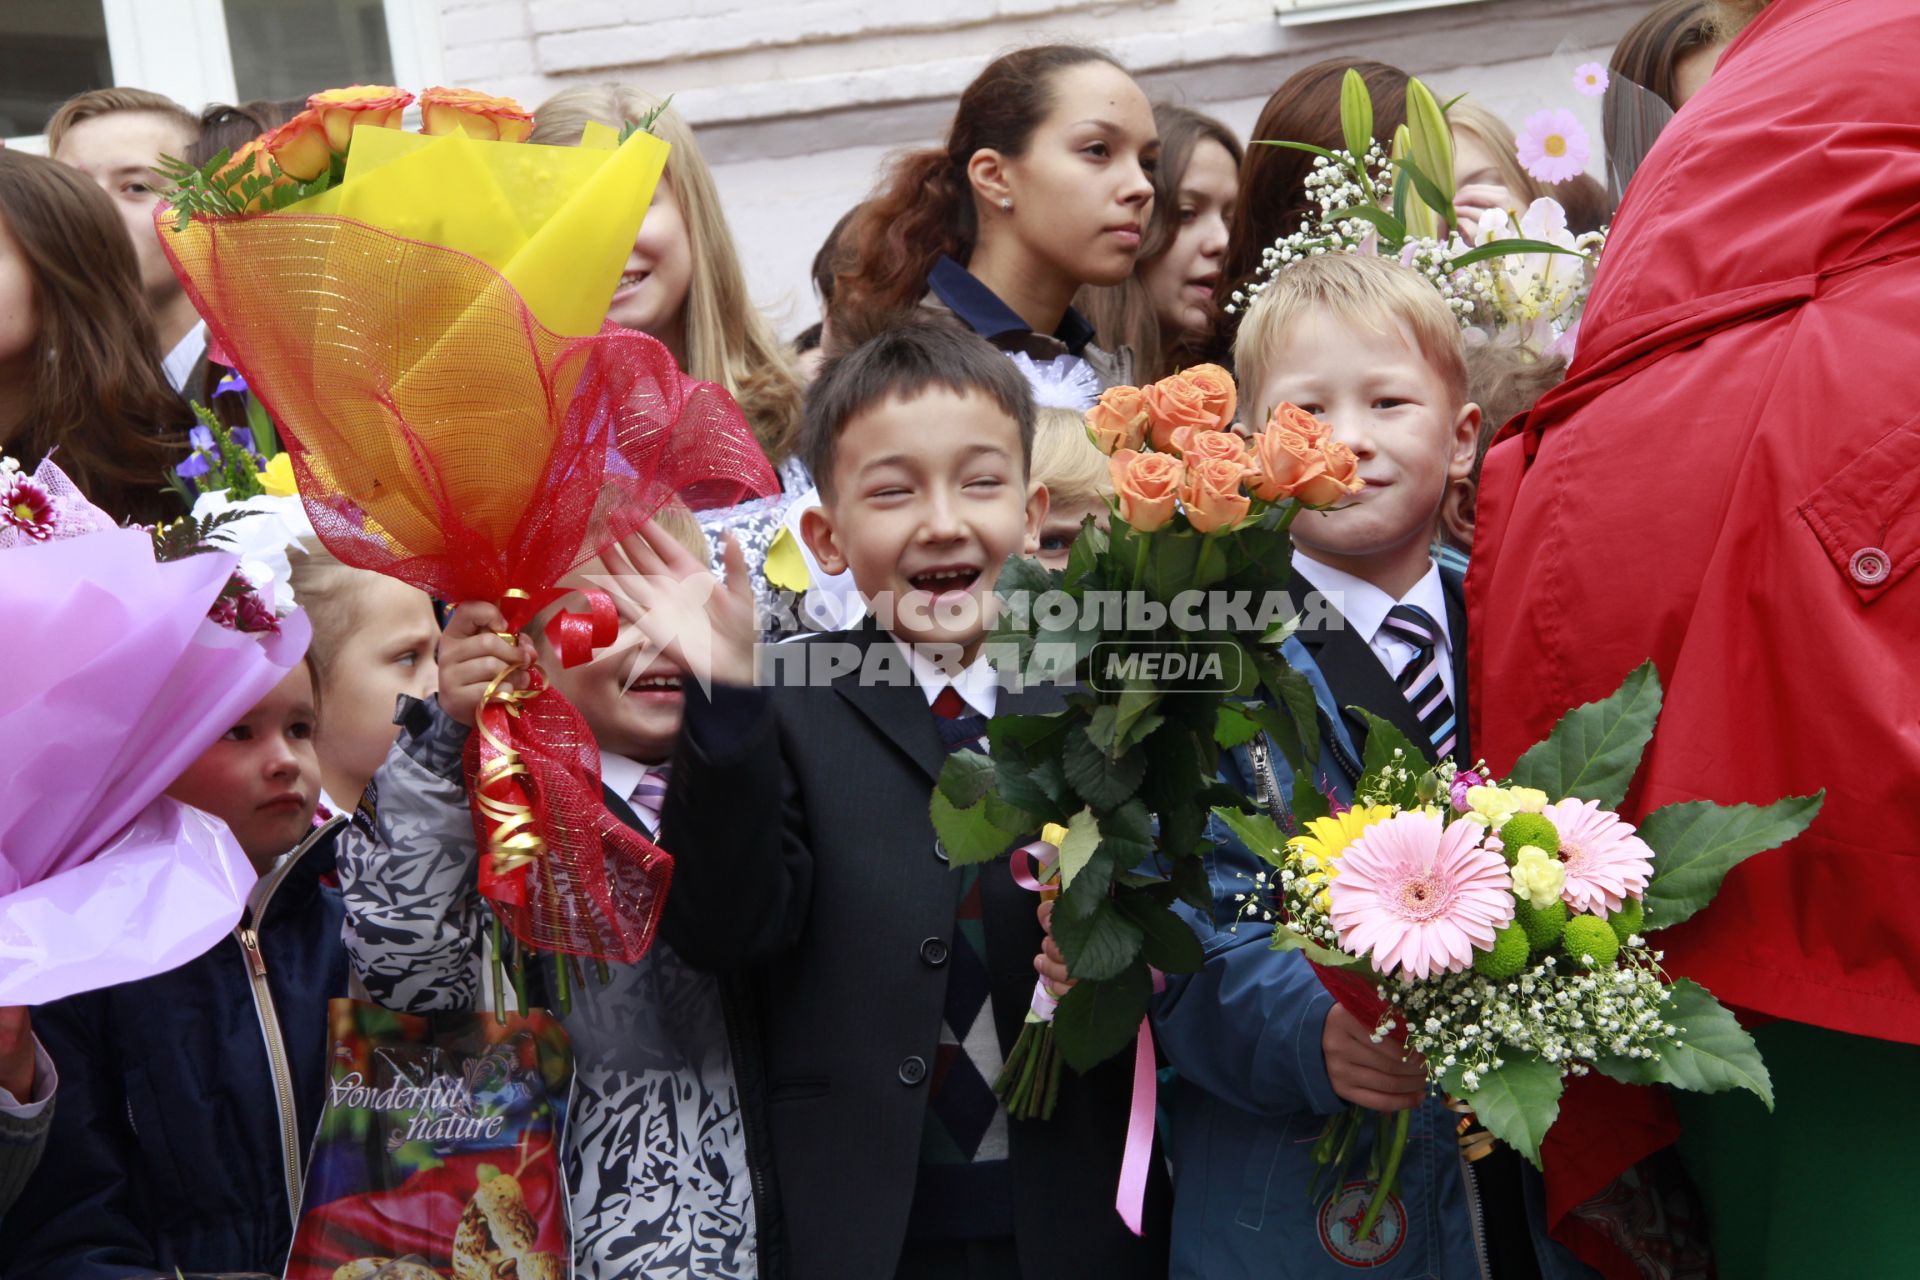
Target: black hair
[902,361]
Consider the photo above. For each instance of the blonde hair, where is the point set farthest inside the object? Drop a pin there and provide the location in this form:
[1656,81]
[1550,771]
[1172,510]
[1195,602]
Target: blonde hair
[678,522]
[1066,461]
[1365,291]
[94,103]
[1496,135]
[728,340]
[326,590]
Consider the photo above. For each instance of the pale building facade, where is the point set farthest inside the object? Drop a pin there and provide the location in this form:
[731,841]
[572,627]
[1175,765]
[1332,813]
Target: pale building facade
[797,102]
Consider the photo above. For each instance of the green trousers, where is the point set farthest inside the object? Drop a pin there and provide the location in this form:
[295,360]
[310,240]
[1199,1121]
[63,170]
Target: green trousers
[1827,1185]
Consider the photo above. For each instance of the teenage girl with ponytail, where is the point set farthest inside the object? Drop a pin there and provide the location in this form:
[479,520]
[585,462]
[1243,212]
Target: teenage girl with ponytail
[1045,184]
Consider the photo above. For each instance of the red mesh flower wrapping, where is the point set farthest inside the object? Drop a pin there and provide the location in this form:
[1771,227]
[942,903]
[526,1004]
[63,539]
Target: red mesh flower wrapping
[442,436]
[1358,992]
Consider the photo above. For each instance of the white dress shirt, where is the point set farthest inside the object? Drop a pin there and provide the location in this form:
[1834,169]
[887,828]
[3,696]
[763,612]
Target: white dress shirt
[978,684]
[185,354]
[1365,607]
[623,776]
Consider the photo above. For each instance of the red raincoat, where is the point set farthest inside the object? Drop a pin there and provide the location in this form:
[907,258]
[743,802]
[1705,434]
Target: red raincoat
[1729,483]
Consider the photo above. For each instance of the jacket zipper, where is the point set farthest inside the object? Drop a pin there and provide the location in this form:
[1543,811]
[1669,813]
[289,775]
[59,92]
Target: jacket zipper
[248,936]
[1262,755]
[1260,750]
[1471,1184]
[1277,806]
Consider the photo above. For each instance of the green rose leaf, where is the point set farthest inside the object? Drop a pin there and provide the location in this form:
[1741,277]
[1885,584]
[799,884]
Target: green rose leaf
[1022,574]
[1135,714]
[1173,560]
[1033,788]
[1130,829]
[1595,750]
[1518,1102]
[1097,1020]
[1389,749]
[1292,690]
[1192,884]
[1089,545]
[1232,727]
[1083,837]
[1698,842]
[1103,728]
[1384,740]
[968,835]
[1309,802]
[1102,783]
[1714,1052]
[1171,945]
[1261,834]
[966,777]
[1098,943]
[1026,732]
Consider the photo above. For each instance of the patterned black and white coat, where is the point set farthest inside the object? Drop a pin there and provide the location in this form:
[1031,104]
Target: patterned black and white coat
[657,1153]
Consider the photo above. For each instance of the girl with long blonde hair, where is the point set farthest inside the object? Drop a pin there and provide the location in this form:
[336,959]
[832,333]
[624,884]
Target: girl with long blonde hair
[683,283]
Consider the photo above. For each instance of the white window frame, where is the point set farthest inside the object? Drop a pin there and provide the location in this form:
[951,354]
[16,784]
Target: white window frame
[181,48]
[1303,12]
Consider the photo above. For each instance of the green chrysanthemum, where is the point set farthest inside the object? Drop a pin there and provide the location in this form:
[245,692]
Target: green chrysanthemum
[1590,937]
[1529,829]
[1542,925]
[1509,954]
[1630,919]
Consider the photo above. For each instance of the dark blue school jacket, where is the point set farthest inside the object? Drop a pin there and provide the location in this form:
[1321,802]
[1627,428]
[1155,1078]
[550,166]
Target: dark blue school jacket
[167,1147]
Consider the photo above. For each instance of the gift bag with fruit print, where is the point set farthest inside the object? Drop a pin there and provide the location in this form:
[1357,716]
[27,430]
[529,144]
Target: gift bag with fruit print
[439,1151]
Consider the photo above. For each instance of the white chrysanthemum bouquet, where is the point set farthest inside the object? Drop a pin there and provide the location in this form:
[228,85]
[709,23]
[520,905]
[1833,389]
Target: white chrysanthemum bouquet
[1502,928]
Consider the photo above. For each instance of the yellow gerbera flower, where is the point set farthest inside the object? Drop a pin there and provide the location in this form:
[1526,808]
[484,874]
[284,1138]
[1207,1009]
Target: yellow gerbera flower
[1325,839]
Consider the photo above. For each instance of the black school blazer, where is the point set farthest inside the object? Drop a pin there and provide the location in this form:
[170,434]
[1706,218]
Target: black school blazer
[805,858]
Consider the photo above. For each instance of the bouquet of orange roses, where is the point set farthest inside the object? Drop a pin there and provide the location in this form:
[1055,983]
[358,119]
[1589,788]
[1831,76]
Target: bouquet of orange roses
[1169,623]
[422,315]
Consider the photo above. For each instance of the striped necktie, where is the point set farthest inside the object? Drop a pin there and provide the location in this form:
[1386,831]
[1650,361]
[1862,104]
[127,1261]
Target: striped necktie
[650,795]
[1420,680]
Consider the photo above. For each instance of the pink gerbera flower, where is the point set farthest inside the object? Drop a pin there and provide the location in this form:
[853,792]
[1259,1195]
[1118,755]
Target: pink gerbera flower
[1420,897]
[1553,147]
[1606,862]
[1590,79]
[26,506]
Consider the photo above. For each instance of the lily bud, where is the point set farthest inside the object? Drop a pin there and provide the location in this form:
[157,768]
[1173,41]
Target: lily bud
[1356,114]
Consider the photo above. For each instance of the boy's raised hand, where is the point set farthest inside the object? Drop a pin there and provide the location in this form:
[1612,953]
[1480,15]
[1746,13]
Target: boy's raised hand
[473,654]
[1383,1076]
[705,628]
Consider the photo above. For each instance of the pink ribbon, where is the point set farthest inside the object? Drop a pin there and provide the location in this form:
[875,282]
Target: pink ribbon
[1039,854]
[1135,1162]
[1032,866]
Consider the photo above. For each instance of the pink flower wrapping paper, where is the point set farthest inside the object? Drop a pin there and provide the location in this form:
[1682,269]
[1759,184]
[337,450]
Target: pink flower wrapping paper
[115,682]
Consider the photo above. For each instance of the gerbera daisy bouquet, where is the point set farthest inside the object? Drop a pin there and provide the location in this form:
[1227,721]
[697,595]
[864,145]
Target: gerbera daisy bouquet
[1505,929]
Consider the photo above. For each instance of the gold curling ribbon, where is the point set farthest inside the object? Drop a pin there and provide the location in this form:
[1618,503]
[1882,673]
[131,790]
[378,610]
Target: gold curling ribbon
[1475,1142]
[512,843]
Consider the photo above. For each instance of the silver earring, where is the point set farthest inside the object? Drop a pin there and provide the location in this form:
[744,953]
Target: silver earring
[1006,206]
